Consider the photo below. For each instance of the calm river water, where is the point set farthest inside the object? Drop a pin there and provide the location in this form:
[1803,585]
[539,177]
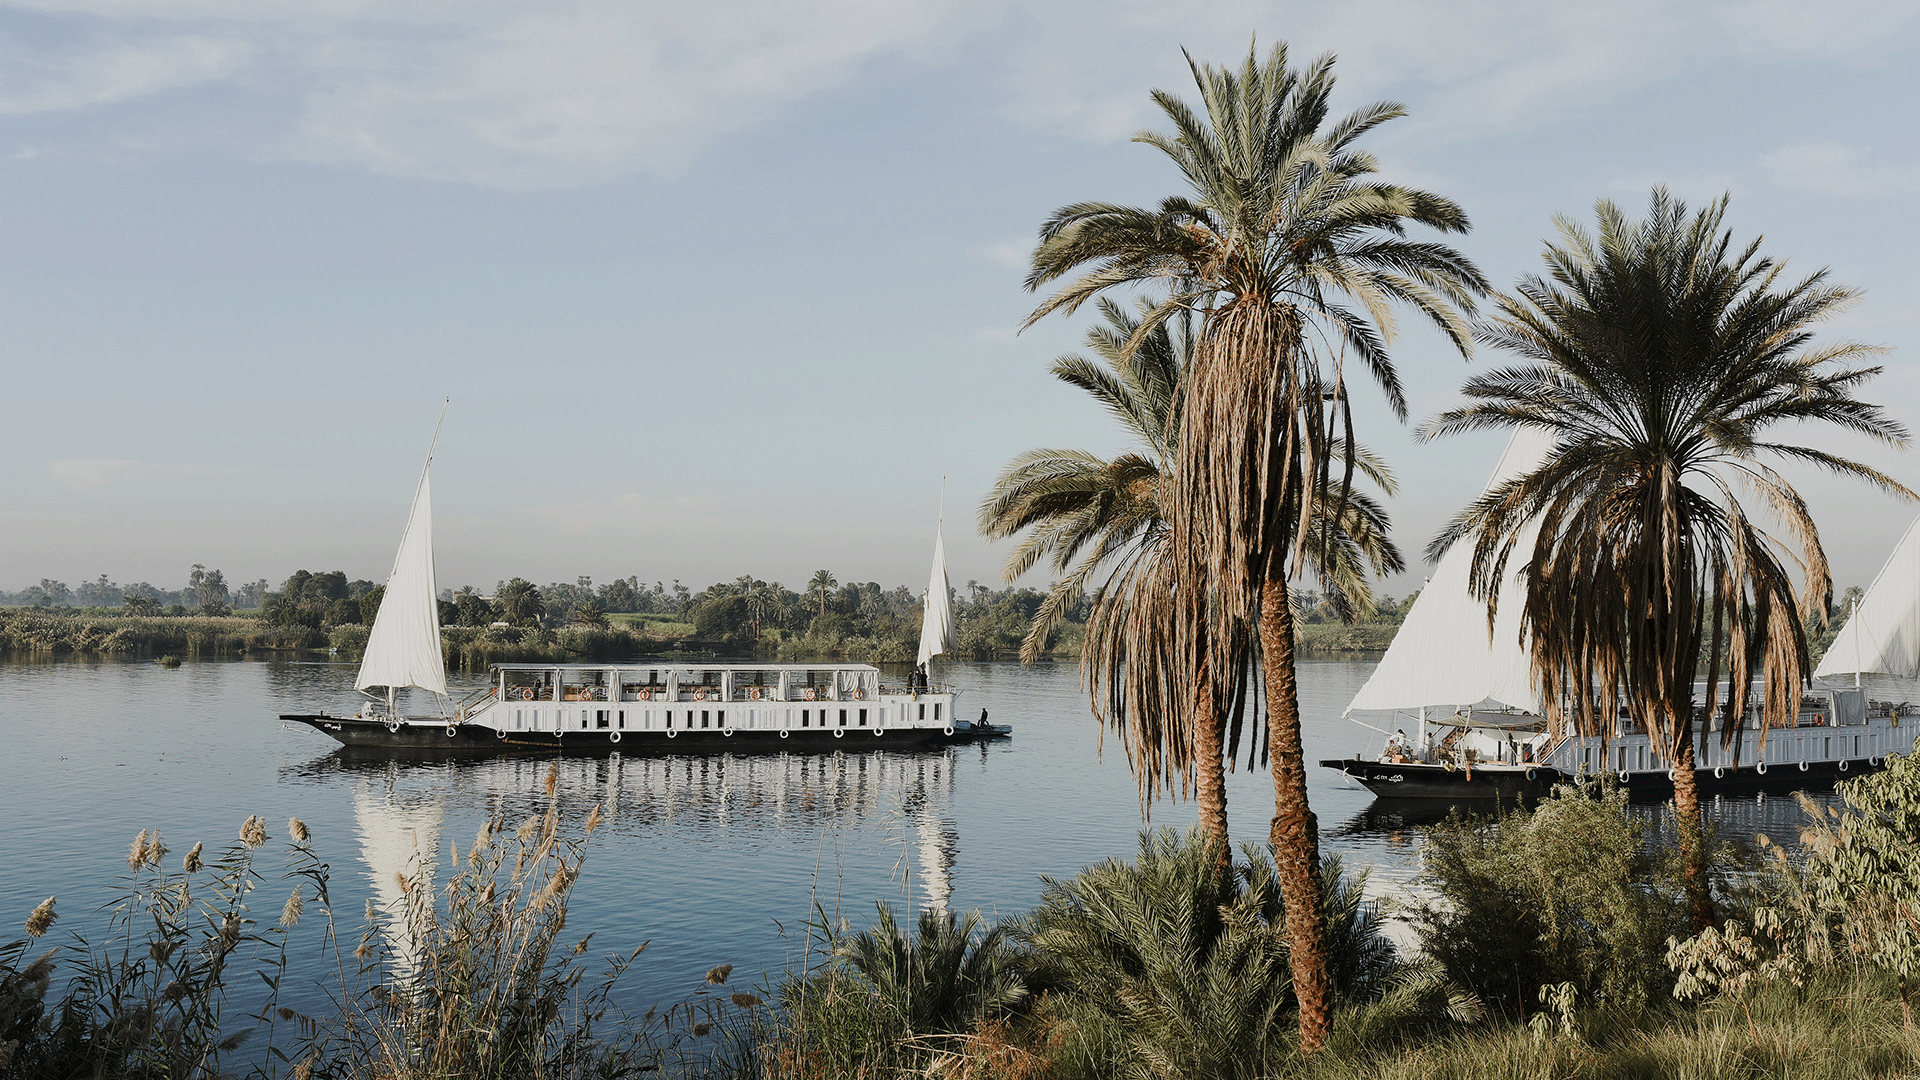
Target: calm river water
[709,857]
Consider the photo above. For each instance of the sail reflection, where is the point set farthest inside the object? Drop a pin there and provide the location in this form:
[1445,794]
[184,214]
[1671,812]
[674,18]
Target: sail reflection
[693,800]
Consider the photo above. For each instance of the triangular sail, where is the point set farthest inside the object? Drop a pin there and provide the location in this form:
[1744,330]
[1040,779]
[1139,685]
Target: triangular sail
[936,625]
[1442,656]
[1882,633]
[404,647]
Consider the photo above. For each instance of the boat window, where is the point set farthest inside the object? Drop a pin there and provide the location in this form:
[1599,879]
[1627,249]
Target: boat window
[863,718]
[599,718]
[583,718]
[623,719]
[720,717]
[936,712]
[804,714]
[1826,747]
[843,718]
[703,718]
[923,710]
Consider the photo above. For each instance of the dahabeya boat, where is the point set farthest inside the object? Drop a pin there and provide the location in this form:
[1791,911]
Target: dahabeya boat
[636,706]
[1479,729]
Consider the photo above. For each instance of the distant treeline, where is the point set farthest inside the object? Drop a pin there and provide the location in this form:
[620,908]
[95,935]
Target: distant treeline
[523,622]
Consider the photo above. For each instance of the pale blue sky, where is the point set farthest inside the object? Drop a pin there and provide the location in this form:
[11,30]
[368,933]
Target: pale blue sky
[721,289]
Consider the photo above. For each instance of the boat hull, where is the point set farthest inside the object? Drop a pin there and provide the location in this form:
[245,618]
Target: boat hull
[1420,781]
[479,739]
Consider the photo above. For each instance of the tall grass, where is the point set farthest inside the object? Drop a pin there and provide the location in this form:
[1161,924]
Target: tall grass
[45,633]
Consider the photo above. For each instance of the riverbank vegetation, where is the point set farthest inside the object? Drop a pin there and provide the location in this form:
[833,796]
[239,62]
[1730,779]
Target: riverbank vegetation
[1553,942]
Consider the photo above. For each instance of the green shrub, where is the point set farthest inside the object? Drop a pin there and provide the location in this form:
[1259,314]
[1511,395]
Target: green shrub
[1569,892]
[1189,969]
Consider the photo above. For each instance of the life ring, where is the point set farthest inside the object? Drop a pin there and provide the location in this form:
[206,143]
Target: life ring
[526,693]
[1803,766]
[839,733]
[783,733]
[858,693]
[727,731]
[499,733]
[1843,764]
[810,693]
[1761,768]
[879,731]
[646,695]
[393,727]
[699,695]
[1819,719]
[753,693]
[1623,776]
[449,731]
[1529,774]
[948,730]
[672,734]
[1718,772]
[613,736]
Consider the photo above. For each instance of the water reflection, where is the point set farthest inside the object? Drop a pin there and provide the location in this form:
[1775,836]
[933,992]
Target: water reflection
[695,800]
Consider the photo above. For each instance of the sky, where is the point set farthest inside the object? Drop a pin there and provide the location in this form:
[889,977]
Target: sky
[719,289]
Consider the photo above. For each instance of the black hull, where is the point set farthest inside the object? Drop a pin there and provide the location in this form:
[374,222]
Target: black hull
[1438,782]
[1457,785]
[474,739]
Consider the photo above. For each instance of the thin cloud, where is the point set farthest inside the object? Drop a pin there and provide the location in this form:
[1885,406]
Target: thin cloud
[1833,168]
[91,476]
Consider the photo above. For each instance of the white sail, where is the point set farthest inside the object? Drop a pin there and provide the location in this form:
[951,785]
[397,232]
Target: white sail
[1442,656]
[1882,633]
[936,625]
[404,647]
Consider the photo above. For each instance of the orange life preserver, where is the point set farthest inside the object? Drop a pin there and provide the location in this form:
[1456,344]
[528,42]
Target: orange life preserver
[810,693]
[699,695]
[753,693]
[646,695]
[1819,719]
[526,693]
[856,693]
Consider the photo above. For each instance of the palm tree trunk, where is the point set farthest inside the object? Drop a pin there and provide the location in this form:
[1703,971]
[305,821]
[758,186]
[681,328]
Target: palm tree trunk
[1693,848]
[1209,771]
[1295,833]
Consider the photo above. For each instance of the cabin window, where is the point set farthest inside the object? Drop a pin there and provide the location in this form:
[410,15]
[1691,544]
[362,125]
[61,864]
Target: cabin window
[863,718]
[1826,747]
[600,718]
[804,718]
[843,718]
[1586,757]
[936,712]
[720,717]
[1623,759]
[1856,746]
[623,719]
[519,718]
[703,718]
[923,710]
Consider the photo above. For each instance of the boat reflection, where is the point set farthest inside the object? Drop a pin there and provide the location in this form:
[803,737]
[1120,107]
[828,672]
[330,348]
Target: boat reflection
[693,800]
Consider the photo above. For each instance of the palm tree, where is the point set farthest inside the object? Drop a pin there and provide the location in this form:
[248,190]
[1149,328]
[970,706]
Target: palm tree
[519,601]
[1283,222]
[1111,516]
[822,581]
[1659,357]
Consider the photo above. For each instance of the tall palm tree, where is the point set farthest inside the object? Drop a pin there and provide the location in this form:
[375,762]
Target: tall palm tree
[1659,356]
[822,581]
[1111,516]
[1282,229]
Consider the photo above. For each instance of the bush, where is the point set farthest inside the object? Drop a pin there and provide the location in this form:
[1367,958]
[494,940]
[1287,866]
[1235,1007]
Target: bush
[1187,972]
[1569,892]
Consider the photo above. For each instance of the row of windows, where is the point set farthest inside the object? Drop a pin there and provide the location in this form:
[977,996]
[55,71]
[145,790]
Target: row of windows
[691,719]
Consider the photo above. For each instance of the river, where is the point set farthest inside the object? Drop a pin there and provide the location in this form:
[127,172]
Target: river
[714,859]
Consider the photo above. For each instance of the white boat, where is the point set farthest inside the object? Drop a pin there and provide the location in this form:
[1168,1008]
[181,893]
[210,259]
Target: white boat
[638,705]
[1479,730]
